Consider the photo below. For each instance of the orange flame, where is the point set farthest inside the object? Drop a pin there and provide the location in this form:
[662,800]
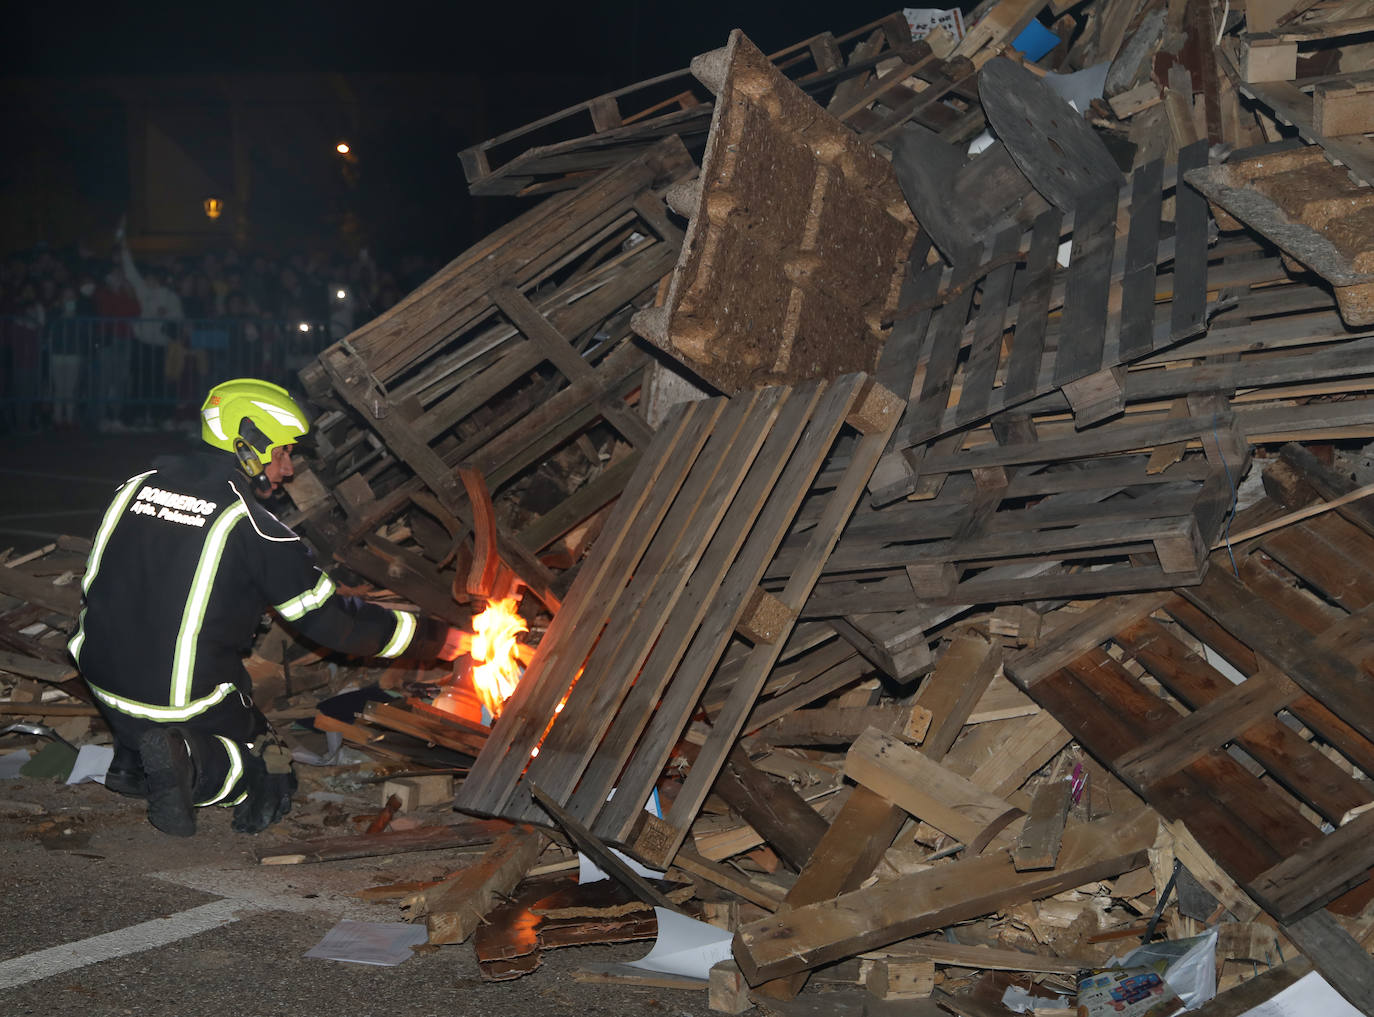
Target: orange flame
[496,654]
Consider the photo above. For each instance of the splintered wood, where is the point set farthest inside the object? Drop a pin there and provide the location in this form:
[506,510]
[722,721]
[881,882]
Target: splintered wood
[921,660]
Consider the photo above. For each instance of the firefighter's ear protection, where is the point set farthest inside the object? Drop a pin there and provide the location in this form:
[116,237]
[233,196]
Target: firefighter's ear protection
[252,466]
[247,445]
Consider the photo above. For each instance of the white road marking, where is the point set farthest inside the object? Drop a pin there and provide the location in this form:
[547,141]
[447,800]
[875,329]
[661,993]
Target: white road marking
[120,943]
[251,892]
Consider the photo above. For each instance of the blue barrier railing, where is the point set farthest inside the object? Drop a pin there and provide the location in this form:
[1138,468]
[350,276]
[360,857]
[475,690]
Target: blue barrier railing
[119,373]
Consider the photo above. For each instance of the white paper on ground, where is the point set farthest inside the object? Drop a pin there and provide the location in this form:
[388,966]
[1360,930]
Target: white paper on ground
[11,762]
[92,762]
[685,946]
[1309,996]
[1018,999]
[381,943]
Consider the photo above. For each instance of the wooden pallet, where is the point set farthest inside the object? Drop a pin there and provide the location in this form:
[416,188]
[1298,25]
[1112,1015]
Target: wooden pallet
[676,572]
[1089,513]
[510,352]
[1068,330]
[873,78]
[1204,702]
[797,241]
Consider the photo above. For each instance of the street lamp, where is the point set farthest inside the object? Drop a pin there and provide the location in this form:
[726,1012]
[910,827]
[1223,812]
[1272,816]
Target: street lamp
[214,208]
[342,148]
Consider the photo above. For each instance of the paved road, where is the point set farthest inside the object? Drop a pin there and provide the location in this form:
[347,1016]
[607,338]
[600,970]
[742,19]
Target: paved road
[118,919]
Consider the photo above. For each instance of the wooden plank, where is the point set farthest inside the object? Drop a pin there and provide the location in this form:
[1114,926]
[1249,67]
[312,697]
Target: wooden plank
[859,835]
[1086,288]
[1188,309]
[961,676]
[940,797]
[1033,308]
[1037,847]
[1302,883]
[62,599]
[603,856]
[1142,243]
[453,908]
[943,895]
[727,878]
[1025,750]
[1094,626]
[424,838]
[1334,681]
[1342,961]
[781,816]
[981,371]
[1246,997]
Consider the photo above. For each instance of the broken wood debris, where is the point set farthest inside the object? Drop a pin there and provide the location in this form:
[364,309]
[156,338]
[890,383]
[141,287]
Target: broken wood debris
[987,415]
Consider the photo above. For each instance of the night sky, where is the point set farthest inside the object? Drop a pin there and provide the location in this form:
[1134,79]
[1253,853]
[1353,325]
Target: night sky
[616,40]
[530,59]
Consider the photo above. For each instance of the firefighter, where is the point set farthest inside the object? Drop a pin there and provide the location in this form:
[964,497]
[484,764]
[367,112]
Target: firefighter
[184,564]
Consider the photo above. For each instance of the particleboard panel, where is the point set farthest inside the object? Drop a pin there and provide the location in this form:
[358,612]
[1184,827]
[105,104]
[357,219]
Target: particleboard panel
[798,238]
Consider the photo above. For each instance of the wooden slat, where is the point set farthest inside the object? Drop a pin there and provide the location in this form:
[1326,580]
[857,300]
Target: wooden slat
[981,371]
[1187,312]
[1208,728]
[1086,288]
[1303,882]
[1138,283]
[1028,340]
[948,802]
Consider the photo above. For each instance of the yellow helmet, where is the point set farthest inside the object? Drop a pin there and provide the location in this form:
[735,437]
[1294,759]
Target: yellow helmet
[250,417]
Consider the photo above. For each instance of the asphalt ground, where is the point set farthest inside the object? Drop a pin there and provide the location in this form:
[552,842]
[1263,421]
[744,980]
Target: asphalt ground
[115,918]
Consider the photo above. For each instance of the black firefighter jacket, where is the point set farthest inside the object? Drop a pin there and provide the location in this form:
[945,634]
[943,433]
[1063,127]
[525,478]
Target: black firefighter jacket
[182,568]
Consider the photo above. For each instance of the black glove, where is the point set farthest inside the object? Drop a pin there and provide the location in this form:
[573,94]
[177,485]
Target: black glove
[271,781]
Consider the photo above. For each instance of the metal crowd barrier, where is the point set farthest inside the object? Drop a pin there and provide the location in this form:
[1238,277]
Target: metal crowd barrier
[117,374]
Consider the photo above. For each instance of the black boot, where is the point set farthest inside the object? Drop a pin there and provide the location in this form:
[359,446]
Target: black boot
[170,777]
[125,775]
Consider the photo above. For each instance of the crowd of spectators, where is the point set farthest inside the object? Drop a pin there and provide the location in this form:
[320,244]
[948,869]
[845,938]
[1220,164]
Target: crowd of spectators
[122,341]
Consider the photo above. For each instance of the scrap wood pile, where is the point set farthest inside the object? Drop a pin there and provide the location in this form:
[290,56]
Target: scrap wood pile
[940,636]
